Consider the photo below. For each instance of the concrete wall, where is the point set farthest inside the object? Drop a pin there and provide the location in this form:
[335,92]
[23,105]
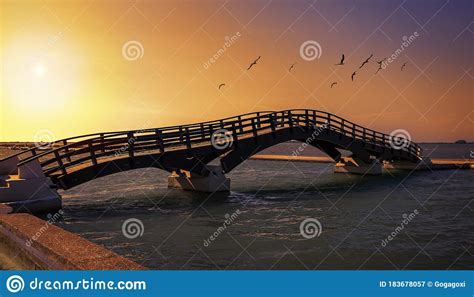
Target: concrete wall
[27,242]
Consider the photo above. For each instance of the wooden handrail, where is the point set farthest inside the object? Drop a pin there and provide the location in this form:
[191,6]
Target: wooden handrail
[187,136]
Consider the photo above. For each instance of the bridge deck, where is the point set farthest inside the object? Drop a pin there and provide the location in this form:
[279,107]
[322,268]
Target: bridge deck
[190,147]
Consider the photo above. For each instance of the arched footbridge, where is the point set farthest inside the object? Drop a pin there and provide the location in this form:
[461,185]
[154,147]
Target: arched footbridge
[190,148]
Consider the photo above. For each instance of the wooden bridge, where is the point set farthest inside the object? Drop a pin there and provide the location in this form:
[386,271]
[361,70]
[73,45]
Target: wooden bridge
[187,150]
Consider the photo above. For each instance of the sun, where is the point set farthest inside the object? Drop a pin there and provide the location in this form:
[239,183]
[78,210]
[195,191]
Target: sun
[39,70]
[39,82]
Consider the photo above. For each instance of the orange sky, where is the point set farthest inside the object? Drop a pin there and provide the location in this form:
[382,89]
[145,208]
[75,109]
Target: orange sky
[64,71]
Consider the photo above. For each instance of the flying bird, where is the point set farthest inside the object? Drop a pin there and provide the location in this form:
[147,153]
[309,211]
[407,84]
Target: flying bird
[291,67]
[403,66]
[254,63]
[342,60]
[353,74]
[333,84]
[221,85]
[380,65]
[366,61]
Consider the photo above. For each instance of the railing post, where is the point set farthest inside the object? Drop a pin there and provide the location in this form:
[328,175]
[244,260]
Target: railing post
[392,151]
[328,119]
[254,130]
[258,120]
[102,145]
[181,133]
[342,129]
[159,141]
[130,142]
[235,137]
[60,162]
[203,135]
[188,140]
[306,113]
[66,149]
[272,125]
[222,124]
[240,124]
[290,119]
[92,153]
[373,139]
[211,130]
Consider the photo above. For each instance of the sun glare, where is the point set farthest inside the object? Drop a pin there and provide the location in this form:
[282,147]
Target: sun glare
[39,70]
[39,82]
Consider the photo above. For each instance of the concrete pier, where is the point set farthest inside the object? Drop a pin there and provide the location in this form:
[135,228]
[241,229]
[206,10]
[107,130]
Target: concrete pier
[355,165]
[26,188]
[9,166]
[215,181]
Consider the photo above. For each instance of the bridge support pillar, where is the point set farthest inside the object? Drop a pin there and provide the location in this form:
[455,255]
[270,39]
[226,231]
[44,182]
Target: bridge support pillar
[29,190]
[9,166]
[215,181]
[355,165]
[423,164]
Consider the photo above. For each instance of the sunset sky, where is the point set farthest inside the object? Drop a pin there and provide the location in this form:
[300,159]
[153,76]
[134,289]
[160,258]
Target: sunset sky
[66,69]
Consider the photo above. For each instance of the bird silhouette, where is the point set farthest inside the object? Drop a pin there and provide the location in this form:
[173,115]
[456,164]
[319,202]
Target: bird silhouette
[353,74]
[342,60]
[366,61]
[333,84]
[254,63]
[291,67]
[380,65]
[403,66]
[221,85]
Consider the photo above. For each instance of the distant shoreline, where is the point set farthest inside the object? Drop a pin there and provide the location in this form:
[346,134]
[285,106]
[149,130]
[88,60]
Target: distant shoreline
[312,159]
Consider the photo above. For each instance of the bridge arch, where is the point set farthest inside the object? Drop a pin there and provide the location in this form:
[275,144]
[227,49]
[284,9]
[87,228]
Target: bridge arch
[72,161]
[247,148]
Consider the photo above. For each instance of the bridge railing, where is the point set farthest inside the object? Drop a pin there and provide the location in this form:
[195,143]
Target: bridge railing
[40,148]
[356,131]
[93,148]
[60,158]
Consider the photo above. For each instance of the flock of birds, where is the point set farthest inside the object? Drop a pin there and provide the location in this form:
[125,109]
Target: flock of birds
[341,63]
